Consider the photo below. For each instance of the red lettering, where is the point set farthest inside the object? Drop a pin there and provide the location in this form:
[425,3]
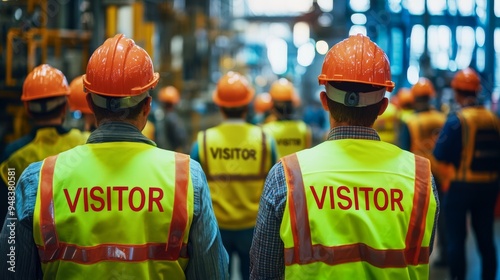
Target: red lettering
[85,200]
[366,190]
[96,198]
[108,196]
[356,201]
[154,199]
[120,190]
[72,204]
[319,202]
[344,197]
[376,200]
[397,199]
[131,199]
[332,198]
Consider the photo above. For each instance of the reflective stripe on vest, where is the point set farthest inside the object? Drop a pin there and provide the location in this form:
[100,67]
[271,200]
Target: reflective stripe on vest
[236,159]
[173,248]
[472,120]
[291,136]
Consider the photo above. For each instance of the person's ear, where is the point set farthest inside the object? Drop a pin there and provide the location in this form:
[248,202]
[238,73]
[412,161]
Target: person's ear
[89,102]
[147,106]
[385,103]
[324,100]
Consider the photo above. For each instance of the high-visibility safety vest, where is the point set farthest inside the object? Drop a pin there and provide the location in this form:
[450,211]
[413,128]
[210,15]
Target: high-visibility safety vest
[291,136]
[386,124]
[114,211]
[404,114]
[424,130]
[236,158]
[47,142]
[480,146]
[357,209]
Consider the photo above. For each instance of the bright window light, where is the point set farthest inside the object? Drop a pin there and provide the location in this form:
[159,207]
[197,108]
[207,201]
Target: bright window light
[359,5]
[300,33]
[279,7]
[325,5]
[415,7]
[496,5]
[358,19]
[496,40]
[436,7]
[277,53]
[412,74]
[395,6]
[357,29]
[480,36]
[465,7]
[480,59]
[417,40]
[322,47]
[305,54]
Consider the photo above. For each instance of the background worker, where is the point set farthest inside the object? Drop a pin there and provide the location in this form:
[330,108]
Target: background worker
[171,132]
[291,134]
[387,124]
[78,102]
[262,106]
[469,147]
[419,135]
[111,202]
[45,92]
[406,102]
[353,206]
[236,157]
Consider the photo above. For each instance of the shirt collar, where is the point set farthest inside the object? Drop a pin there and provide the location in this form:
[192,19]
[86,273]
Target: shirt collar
[117,132]
[353,132]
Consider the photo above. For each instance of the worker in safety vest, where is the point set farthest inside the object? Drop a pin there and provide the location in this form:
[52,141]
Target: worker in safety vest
[236,157]
[387,124]
[117,207]
[419,135]
[45,94]
[352,207]
[291,134]
[262,106]
[171,132]
[78,102]
[468,148]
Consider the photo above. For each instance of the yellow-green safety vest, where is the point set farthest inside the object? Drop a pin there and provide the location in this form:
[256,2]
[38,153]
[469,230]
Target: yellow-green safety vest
[47,142]
[357,209]
[480,151]
[236,158]
[424,128]
[291,136]
[114,211]
[386,124]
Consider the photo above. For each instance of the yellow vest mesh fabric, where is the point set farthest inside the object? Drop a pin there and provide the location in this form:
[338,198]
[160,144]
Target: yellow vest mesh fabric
[115,194]
[236,158]
[291,136]
[47,142]
[359,194]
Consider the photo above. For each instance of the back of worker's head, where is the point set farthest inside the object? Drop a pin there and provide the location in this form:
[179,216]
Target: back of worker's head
[233,94]
[119,77]
[169,97]
[466,83]
[263,103]
[284,98]
[45,92]
[356,74]
[405,97]
[77,99]
[423,91]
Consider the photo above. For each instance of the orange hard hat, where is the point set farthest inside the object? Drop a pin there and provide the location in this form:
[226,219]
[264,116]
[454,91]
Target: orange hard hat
[263,102]
[357,59]
[169,94]
[282,90]
[466,79]
[233,90]
[44,81]
[423,87]
[77,99]
[120,68]
[405,97]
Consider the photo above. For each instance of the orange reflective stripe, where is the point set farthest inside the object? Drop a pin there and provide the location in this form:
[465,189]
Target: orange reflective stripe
[54,250]
[418,216]
[298,210]
[47,223]
[304,252]
[108,252]
[180,211]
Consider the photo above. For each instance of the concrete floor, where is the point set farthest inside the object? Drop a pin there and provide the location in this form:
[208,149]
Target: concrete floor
[441,273]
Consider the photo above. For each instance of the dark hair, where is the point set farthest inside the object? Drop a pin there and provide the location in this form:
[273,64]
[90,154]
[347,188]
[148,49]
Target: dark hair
[50,115]
[284,109]
[358,116]
[234,112]
[130,113]
[466,93]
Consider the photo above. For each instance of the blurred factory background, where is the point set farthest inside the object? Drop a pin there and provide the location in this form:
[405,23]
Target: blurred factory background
[194,42]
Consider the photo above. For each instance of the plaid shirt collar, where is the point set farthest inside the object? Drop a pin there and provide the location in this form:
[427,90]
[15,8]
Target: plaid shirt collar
[353,132]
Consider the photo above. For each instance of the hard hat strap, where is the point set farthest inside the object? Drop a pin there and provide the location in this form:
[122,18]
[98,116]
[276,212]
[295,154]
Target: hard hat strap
[114,103]
[43,106]
[354,99]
